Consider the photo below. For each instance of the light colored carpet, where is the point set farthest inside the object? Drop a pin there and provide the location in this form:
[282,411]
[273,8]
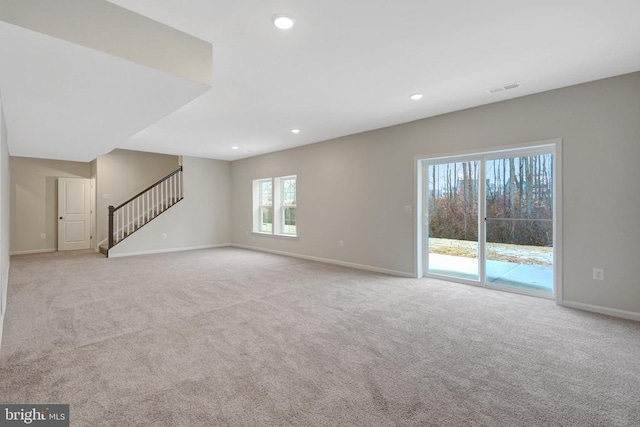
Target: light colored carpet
[234,337]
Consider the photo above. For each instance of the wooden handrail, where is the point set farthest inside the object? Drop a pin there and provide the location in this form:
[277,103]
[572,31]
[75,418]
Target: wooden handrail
[148,188]
[144,209]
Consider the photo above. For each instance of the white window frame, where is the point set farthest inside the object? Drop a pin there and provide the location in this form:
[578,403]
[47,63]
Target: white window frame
[258,206]
[278,207]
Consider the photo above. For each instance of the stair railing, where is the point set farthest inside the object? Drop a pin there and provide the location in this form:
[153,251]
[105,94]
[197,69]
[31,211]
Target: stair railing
[139,210]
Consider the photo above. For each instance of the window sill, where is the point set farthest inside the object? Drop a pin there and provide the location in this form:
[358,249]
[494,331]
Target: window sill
[279,236]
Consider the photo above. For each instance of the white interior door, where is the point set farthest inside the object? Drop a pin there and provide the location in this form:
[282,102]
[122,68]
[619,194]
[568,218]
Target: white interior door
[74,214]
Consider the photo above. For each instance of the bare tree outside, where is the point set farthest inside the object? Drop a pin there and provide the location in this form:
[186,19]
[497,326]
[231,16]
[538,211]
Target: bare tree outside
[519,192]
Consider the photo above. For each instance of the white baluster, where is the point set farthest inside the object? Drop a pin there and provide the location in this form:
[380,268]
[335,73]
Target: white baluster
[173,189]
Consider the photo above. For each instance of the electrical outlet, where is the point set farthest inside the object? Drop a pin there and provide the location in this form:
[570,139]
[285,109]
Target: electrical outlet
[164,235]
[407,209]
[598,274]
[43,236]
[341,243]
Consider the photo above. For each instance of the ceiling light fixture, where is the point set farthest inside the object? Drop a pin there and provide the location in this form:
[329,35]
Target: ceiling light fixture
[235,147]
[283,21]
[416,96]
[296,131]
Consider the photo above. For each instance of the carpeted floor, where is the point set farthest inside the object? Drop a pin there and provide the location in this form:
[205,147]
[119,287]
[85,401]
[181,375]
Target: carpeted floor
[233,337]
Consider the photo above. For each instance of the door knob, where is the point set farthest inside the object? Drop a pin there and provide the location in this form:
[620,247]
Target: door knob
[61,217]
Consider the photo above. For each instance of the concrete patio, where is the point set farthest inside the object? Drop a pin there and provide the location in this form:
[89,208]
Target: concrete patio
[522,276]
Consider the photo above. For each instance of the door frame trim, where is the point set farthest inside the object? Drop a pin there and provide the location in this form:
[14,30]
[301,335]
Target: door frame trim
[88,202]
[421,244]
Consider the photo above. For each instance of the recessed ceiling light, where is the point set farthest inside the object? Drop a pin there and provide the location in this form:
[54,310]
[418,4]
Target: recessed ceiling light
[235,147]
[295,130]
[416,96]
[283,21]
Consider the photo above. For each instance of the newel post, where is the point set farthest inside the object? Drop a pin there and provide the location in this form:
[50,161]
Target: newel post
[111,208]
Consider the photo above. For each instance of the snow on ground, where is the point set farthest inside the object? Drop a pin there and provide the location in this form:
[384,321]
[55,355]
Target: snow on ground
[532,255]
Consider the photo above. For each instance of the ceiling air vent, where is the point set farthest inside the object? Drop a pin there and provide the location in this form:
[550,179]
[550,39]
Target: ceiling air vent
[505,87]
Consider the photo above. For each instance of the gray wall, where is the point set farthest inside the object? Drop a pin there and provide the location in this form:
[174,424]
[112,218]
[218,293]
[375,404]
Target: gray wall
[34,201]
[93,172]
[4,217]
[201,219]
[121,175]
[354,188]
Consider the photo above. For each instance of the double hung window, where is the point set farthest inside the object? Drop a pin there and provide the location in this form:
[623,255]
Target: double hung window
[275,206]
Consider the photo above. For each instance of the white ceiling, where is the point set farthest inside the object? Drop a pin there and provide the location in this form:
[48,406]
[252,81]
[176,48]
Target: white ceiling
[67,102]
[349,66]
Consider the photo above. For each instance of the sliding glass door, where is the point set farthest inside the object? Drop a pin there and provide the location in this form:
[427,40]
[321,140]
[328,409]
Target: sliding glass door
[453,219]
[519,224]
[490,219]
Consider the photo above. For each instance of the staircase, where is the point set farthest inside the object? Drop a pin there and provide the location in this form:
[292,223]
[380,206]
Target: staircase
[130,216]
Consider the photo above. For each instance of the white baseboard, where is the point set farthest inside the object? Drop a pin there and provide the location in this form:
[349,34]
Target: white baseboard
[35,251]
[328,261]
[162,251]
[631,315]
